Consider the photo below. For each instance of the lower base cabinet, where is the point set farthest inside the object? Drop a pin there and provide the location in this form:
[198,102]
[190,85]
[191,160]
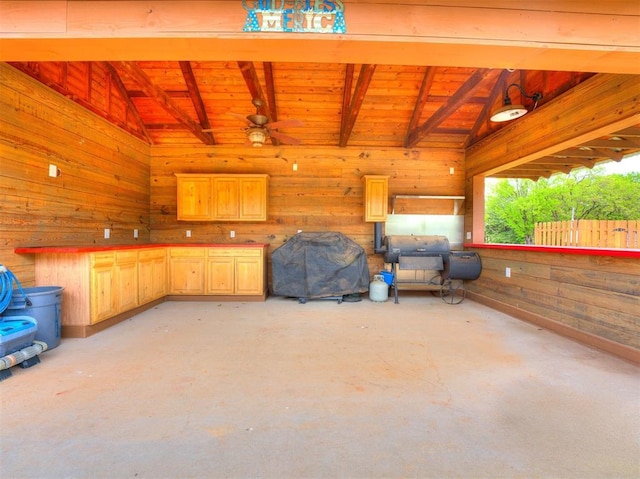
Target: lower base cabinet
[233,271]
[102,285]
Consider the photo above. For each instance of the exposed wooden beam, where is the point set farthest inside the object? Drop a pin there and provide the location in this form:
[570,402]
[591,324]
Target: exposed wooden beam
[271,95]
[131,107]
[347,90]
[573,162]
[362,85]
[625,143]
[421,101]
[613,104]
[271,90]
[451,105]
[194,94]
[250,76]
[483,118]
[569,36]
[155,92]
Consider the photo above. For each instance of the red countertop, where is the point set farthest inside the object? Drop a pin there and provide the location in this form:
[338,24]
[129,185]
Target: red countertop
[621,253]
[92,249]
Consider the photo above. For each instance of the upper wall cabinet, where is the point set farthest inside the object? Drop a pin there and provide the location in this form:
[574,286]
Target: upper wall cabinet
[206,197]
[194,198]
[376,192]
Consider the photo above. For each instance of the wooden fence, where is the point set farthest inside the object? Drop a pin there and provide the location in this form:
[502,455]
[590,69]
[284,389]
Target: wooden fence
[589,233]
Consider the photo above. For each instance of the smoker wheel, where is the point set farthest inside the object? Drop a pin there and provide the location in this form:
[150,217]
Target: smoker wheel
[452,292]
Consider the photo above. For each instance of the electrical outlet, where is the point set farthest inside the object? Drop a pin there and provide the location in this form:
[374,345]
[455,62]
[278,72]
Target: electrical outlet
[188,233]
[507,272]
[53,171]
[107,233]
[468,235]
[232,234]
[135,234]
[452,170]
[295,167]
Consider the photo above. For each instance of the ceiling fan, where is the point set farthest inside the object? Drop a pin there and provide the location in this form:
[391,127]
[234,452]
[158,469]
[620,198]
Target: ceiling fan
[259,129]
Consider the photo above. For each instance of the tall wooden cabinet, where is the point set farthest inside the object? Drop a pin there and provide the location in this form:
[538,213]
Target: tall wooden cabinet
[376,198]
[214,197]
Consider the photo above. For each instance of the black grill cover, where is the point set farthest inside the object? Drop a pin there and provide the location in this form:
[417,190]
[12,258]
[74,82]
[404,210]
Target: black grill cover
[319,265]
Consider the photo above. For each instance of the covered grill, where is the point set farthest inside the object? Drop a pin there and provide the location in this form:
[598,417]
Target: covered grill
[319,266]
[429,252]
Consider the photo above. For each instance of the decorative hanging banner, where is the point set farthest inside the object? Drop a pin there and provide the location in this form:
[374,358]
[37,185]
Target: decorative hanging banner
[309,16]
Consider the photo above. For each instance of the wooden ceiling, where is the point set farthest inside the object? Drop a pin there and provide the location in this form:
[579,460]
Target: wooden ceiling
[369,106]
[407,74]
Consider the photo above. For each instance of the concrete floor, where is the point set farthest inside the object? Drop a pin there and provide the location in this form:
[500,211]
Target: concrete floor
[421,389]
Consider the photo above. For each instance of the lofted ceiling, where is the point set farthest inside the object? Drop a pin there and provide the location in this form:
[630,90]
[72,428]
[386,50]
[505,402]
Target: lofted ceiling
[359,105]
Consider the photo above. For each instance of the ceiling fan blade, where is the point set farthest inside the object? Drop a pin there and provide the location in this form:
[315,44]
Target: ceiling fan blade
[285,138]
[240,117]
[229,128]
[286,123]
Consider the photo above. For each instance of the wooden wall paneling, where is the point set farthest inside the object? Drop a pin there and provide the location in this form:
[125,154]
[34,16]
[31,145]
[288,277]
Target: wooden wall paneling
[325,193]
[597,295]
[104,180]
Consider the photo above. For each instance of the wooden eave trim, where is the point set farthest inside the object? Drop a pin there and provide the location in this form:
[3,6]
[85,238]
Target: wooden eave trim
[601,105]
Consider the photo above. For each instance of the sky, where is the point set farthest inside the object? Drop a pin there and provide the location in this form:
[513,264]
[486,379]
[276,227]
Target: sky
[630,164]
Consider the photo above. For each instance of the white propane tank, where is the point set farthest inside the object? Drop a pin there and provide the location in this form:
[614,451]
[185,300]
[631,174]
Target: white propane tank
[378,289]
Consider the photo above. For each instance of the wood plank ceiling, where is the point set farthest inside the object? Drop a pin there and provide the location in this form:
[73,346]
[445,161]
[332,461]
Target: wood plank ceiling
[368,106]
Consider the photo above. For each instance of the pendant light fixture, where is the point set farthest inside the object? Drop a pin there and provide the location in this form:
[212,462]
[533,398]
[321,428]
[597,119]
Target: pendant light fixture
[509,111]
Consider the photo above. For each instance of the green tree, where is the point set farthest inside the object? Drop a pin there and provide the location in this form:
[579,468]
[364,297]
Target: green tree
[514,206]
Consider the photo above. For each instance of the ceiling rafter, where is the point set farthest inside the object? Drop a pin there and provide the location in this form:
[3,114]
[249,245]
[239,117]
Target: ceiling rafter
[196,97]
[485,114]
[271,95]
[121,89]
[355,102]
[423,98]
[158,94]
[552,161]
[346,95]
[250,75]
[450,106]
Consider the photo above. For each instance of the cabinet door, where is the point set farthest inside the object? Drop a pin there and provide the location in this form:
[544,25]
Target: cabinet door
[145,280]
[220,275]
[152,275]
[103,297]
[194,198]
[376,198]
[159,288]
[226,199]
[126,280]
[249,276]
[253,199]
[186,270]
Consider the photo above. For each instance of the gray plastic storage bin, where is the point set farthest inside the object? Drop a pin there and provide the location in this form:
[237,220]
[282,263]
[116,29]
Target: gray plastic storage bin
[45,308]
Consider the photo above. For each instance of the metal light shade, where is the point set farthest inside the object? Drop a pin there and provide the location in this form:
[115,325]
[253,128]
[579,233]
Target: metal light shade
[257,136]
[508,112]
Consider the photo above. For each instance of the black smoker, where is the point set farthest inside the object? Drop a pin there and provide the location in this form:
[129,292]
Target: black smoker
[429,252]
